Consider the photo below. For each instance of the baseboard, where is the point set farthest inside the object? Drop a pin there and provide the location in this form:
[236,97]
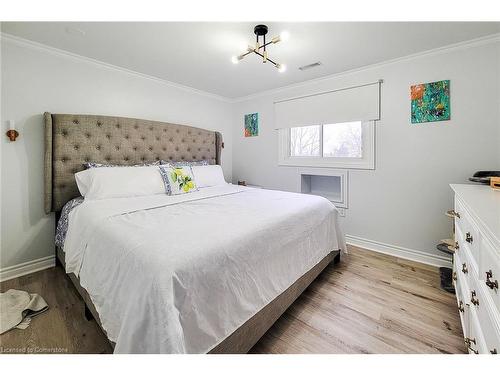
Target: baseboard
[400,252]
[25,268]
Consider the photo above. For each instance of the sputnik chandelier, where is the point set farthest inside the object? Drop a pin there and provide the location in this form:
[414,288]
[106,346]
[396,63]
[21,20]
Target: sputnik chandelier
[260,48]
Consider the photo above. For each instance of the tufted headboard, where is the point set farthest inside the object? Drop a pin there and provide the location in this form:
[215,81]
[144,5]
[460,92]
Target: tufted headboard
[71,140]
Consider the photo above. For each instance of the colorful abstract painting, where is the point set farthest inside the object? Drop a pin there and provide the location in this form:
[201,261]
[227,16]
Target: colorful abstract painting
[252,125]
[430,102]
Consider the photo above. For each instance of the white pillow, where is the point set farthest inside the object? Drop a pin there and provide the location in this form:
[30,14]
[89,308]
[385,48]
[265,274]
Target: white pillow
[119,182]
[208,175]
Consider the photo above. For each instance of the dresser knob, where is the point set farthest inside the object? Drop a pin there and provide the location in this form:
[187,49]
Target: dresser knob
[468,237]
[469,342]
[461,306]
[489,283]
[494,351]
[473,298]
[464,268]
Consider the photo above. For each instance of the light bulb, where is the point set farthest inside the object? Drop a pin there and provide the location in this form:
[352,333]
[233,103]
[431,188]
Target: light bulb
[284,36]
[281,67]
[235,60]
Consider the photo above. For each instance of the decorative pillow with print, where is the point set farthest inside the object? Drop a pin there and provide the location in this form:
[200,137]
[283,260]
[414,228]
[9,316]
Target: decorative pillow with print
[178,180]
[185,163]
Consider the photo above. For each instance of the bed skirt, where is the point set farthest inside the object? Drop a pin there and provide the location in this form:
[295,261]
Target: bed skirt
[247,335]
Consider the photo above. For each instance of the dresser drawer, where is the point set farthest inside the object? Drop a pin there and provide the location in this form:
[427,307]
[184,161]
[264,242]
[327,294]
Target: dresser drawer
[461,291]
[483,313]
[467,233]
[489,272]
[471,327]
[465,265]
[475,341]
[466,256]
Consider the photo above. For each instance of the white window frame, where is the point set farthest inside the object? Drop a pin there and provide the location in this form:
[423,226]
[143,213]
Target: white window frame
[366,162]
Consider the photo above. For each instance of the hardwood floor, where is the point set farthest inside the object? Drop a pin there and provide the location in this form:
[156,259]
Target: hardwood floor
[61,329]
[369,303]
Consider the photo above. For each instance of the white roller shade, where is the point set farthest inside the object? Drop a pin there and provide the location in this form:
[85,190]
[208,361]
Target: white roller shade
[359,103]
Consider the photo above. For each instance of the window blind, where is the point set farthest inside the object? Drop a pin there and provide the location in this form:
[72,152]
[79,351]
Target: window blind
[357,103]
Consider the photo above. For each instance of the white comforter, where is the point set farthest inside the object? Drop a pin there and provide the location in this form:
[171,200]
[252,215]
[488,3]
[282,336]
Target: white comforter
[178,274]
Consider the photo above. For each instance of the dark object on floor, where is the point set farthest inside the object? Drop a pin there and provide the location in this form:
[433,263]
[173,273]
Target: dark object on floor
[444,248]
[446,279]
[88,314]
[444,272]
[483,177]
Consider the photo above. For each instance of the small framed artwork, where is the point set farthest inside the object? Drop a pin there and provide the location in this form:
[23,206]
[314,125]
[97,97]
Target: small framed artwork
[430,102]
[252,125]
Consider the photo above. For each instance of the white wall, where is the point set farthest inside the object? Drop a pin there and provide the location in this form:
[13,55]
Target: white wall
[35,81]
[401,203]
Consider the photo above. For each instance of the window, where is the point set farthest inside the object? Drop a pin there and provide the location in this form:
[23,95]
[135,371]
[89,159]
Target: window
[343,140]
[340,145]
[305,141]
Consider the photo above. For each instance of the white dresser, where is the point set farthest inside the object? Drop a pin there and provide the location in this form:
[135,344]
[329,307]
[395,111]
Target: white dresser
[477,265]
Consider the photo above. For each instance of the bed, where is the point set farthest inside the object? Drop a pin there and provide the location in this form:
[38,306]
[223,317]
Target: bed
[205,272]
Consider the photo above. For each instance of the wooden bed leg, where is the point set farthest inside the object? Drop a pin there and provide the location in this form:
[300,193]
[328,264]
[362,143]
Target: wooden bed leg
[58,263]
[88,314]
[336,260]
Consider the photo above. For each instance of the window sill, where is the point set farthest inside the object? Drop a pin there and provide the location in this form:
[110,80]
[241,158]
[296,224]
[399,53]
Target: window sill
[357,164]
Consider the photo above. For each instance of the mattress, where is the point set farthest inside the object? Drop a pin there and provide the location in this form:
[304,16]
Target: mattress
[179,274]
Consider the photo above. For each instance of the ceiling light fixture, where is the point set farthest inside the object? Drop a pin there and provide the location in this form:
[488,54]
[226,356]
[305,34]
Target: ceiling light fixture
[260,49]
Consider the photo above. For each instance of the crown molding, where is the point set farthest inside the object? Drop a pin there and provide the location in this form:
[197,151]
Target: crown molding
[489,39]
[62,53]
